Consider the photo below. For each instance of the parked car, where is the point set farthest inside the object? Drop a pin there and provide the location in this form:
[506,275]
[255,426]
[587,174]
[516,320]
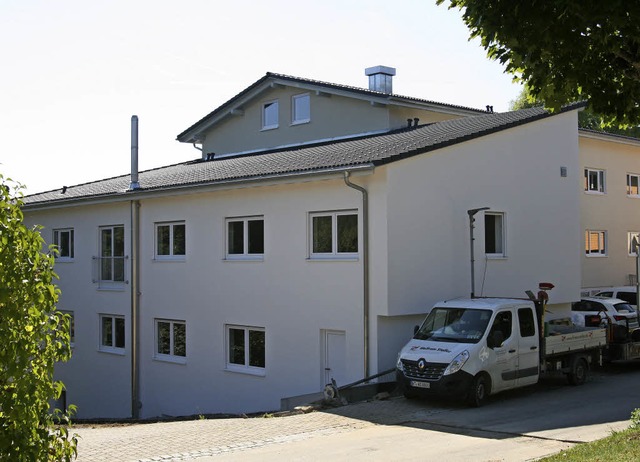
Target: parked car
[593,311]
[626,293]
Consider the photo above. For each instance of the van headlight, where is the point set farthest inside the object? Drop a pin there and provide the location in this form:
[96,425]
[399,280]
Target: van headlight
[457,363]
[399,363]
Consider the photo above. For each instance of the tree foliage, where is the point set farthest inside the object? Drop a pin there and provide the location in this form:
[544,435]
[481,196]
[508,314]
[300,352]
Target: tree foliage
[35,335]
[565,50]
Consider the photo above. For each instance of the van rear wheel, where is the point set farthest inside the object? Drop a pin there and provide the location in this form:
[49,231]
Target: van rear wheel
[579,372]
[479,391]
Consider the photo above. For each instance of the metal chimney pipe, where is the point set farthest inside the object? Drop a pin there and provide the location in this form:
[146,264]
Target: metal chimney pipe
[134,154]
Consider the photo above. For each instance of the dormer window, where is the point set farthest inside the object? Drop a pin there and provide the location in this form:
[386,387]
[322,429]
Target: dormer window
[300,109]
[270,115]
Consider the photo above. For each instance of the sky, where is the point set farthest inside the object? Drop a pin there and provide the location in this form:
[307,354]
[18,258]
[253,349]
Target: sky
[75,71]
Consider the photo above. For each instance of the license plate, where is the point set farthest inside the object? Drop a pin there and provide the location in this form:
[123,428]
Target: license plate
[415,383]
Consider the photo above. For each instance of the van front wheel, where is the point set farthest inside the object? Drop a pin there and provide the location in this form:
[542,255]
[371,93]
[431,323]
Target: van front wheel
[479,391]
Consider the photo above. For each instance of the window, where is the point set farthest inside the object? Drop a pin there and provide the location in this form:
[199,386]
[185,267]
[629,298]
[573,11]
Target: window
[334,234]
[595,243]
[170,240]
[112,333]
[112,254]
[502,325]
[594,180]
[633,239]
[171,340]
[246,349]
[270,115]
[245,238]
[633,182]
[527,324]
[63,240]
[300,109]
[494,235]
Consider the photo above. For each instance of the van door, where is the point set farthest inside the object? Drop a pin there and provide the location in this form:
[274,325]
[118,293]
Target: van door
[504,343]
[528,348]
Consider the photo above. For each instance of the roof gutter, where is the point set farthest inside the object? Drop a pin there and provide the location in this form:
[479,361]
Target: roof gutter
[365,266]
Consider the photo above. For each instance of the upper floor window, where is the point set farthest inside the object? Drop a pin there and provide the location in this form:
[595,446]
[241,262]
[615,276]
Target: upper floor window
[334,234]
[245,238]
[112,253]
[170,240]
[63,240]
[633,240]
[494,234]
[595,243]
[171,340]
[112,333]
[633,183]
[594,180]
[72,326]
[270,115]
[300,109]
[246,349]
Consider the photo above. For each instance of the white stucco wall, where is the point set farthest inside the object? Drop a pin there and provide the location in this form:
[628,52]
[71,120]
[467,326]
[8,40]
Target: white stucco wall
[517,172]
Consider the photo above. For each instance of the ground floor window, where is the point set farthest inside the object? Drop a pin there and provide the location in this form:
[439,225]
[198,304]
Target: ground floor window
[171,340]
[112,333]
[595,243]
[246,349]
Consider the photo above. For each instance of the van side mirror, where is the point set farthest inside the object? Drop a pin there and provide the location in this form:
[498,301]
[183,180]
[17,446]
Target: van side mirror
[495,339]
[416,329]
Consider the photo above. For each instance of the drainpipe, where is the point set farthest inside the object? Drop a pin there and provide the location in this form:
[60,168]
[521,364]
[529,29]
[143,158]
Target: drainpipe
[365,266]
[135,309]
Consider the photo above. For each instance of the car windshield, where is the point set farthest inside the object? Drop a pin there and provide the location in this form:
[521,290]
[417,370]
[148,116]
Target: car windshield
[460,325]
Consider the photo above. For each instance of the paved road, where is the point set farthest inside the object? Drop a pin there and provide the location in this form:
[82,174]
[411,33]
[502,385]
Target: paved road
[516,426]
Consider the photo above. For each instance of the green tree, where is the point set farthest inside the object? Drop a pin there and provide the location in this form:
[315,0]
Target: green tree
[565,50]
[34,335]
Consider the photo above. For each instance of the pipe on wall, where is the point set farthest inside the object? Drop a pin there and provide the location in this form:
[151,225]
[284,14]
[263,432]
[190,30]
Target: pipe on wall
[135,309]
[365,266]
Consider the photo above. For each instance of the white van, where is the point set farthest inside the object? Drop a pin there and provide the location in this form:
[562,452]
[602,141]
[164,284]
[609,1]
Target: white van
[626,293]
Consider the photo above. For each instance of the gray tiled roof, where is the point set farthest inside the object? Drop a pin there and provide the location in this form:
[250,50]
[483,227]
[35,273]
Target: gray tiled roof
[365,150]
[184,136]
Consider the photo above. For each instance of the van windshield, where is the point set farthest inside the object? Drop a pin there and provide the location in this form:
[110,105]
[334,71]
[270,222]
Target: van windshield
[460,325]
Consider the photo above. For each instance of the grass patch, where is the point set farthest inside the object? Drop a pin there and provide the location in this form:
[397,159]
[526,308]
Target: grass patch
[621,446]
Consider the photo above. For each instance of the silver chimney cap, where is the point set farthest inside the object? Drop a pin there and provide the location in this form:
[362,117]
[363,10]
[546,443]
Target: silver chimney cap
[380,78]
[134,154]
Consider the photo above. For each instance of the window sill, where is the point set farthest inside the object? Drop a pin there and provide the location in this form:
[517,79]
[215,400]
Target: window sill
[105,287]
[595,193]
[496,257]
[170,359]
[244,258]
[333,257]
[257,372]
[300,122]
[112,350]
[633,196]
[268,127]
[595,255]
[64,260]
[164,258]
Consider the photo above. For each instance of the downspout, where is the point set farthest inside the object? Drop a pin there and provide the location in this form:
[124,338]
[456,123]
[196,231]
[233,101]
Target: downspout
[135,309]
[365,266]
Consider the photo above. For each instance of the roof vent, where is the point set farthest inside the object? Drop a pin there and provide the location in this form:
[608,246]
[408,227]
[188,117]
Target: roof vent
[380,78]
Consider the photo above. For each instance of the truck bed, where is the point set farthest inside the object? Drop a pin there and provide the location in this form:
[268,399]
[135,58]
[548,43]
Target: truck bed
[571,339]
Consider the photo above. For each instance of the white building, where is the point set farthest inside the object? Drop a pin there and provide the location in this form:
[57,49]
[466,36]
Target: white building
[313,233]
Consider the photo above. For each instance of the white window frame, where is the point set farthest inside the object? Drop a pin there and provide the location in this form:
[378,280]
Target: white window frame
[113,348]
[245,368]
[56,241]
[601,182]
[265,105]
[602,242]
[171,356]
[112,283]
[170,255]
[245,255]
[295,118]
[637,179]
[502,238]
[630,236]
[334,254]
